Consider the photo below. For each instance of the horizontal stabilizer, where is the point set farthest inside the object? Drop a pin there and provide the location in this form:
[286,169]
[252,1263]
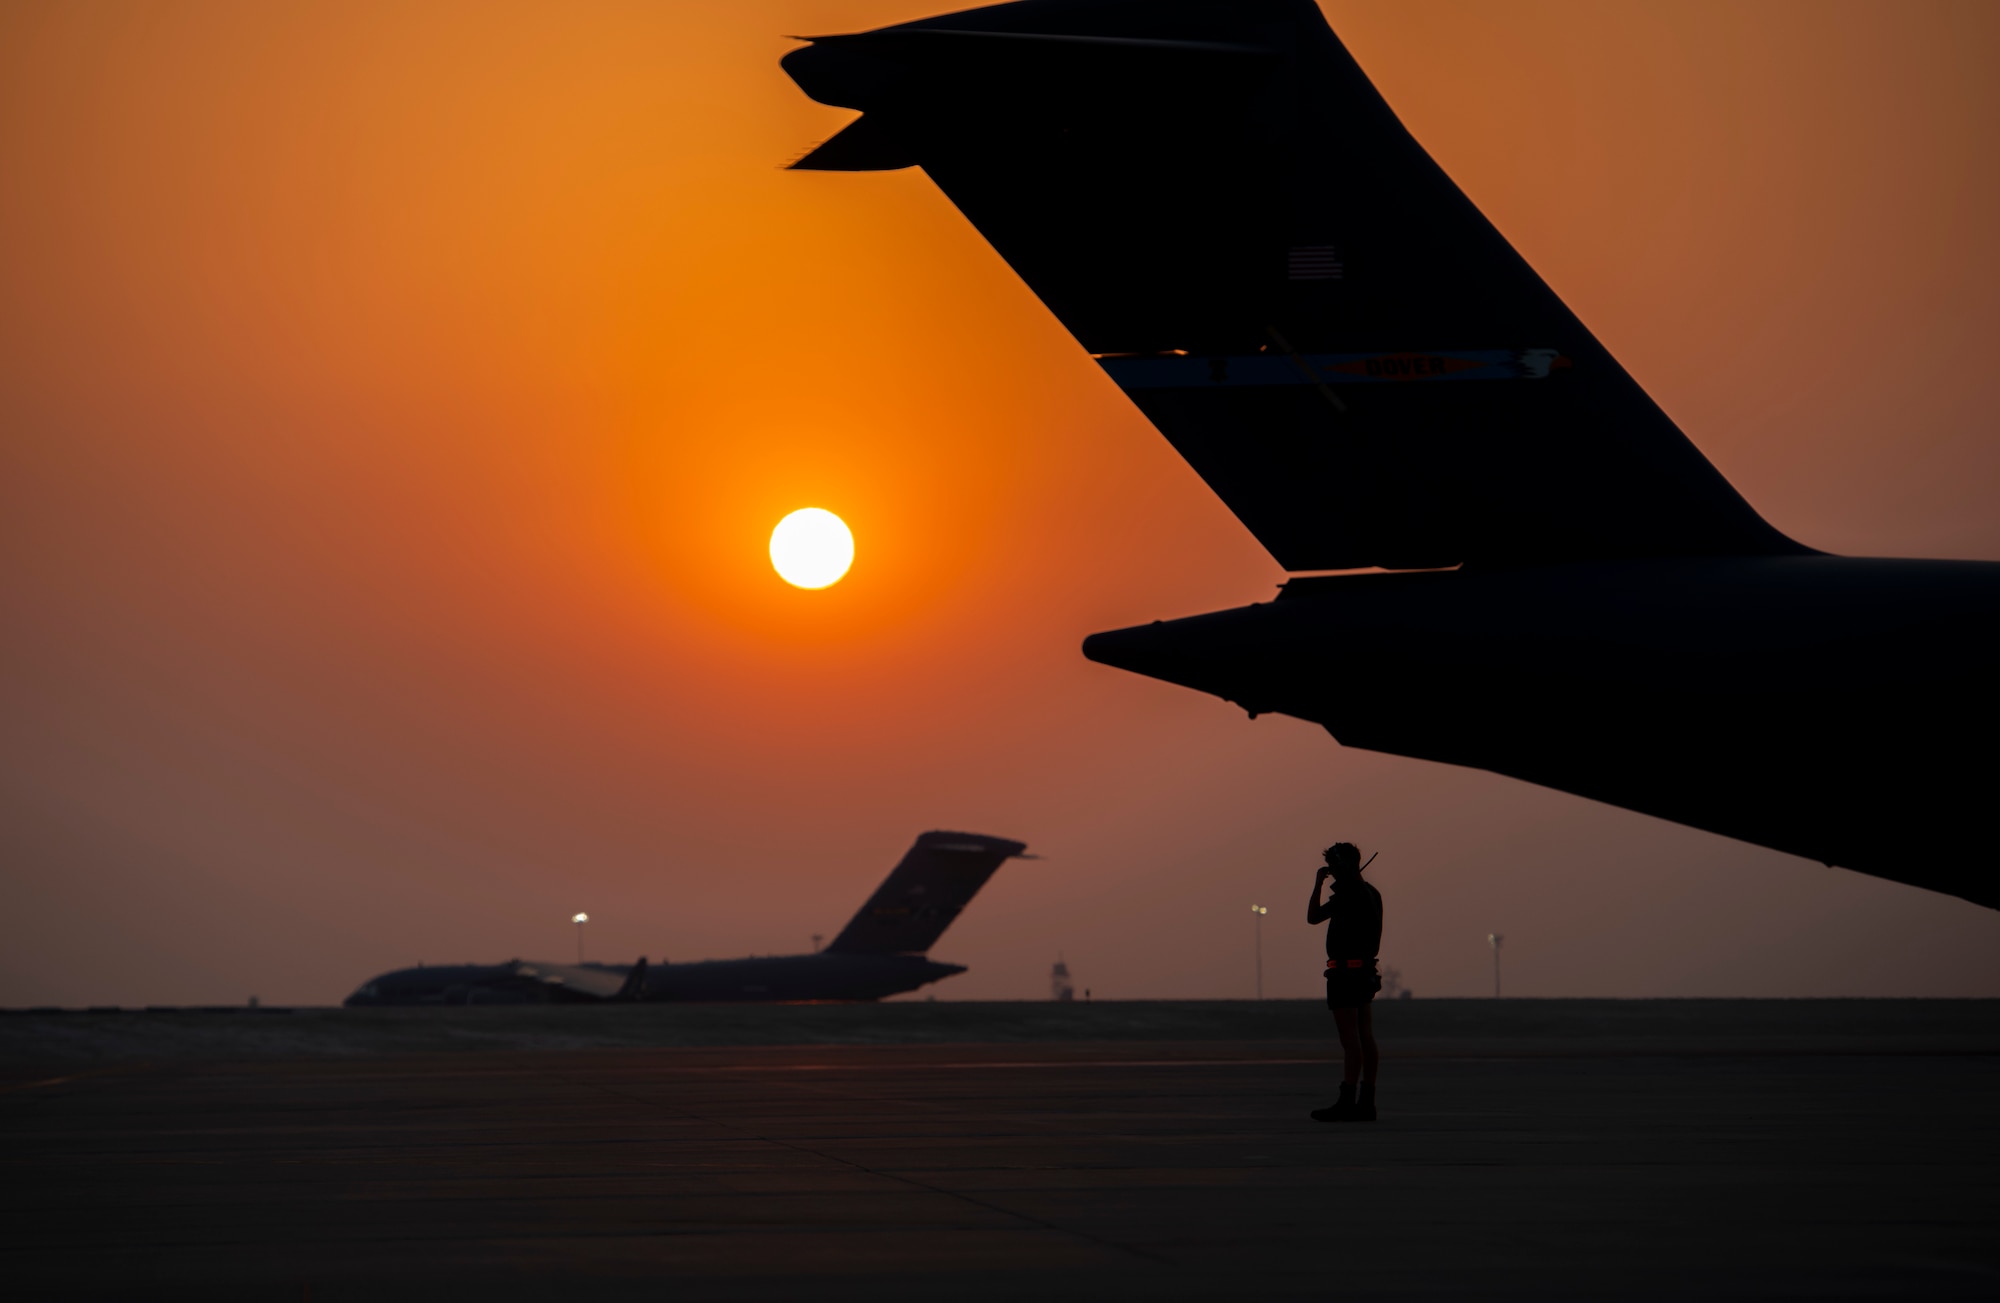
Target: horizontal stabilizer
[1214,200]
[863,145]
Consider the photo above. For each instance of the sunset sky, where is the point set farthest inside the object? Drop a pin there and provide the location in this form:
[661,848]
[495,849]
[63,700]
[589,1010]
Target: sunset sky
[396,400]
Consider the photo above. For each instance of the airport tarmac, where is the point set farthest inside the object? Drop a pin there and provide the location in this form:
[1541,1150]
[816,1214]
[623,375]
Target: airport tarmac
[1566,1148]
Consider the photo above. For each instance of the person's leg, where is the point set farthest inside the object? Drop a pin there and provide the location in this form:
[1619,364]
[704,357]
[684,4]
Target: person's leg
[1350,1064]
[1351,1049]
[1364,1105]
[1370,1059]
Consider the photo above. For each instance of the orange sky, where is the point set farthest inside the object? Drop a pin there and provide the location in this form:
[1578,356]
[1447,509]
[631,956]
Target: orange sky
[395,401]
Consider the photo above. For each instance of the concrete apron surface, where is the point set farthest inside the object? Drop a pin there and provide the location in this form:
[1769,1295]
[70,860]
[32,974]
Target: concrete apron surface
[1583,1149]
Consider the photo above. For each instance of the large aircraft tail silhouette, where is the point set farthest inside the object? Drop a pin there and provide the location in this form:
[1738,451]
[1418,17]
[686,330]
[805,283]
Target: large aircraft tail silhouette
[1213,199]
[1220,207]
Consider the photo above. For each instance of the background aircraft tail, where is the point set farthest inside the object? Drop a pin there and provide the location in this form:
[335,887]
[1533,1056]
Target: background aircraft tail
[1215,201]
[924,893]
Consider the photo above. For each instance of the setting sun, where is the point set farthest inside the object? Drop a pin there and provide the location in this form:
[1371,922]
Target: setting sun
[812,548]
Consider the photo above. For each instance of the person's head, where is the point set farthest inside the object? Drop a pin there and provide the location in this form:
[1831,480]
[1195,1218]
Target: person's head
[1343,858]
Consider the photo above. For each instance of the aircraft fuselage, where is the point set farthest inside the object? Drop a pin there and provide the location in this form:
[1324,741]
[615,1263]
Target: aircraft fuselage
[820,976]
[881,952]
[1832,707]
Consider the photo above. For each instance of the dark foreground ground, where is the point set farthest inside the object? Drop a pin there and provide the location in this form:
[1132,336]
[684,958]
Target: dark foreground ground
[1767,1149]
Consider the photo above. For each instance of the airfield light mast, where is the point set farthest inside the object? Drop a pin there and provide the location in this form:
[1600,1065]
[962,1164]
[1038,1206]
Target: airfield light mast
[580,920]
[1257,913]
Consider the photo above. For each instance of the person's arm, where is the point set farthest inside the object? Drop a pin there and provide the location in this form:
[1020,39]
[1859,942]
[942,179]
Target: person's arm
[1316,912]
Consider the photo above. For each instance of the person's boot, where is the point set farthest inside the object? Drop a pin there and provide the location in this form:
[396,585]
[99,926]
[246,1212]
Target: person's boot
[1364,1108]
[1341,1110]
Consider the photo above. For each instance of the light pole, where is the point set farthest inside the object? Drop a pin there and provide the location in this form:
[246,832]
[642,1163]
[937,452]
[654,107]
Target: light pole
[580,920]
[1494,939]
[1257,913]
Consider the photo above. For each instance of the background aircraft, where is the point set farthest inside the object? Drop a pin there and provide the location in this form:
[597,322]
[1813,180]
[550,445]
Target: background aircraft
[881,951]
[1219,206]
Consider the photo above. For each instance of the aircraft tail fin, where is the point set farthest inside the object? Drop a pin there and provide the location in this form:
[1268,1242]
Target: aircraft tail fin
[635,982]
[935,880]
[1221,208]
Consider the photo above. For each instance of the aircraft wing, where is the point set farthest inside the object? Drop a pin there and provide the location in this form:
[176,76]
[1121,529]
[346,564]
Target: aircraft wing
[589,982]
[1220,207]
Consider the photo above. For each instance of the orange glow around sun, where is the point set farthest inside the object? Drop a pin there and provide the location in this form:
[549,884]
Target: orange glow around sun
[397,402]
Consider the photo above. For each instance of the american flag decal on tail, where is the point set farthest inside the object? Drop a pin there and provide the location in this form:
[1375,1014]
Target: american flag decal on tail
[1314,262]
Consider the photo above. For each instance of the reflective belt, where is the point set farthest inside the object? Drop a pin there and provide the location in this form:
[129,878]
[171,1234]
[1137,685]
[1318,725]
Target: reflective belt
[1350,963]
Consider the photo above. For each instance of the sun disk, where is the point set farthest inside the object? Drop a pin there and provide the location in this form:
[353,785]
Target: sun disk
[812,548]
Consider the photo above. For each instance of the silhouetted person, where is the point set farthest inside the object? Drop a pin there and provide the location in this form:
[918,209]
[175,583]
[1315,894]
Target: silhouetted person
[1353,917]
